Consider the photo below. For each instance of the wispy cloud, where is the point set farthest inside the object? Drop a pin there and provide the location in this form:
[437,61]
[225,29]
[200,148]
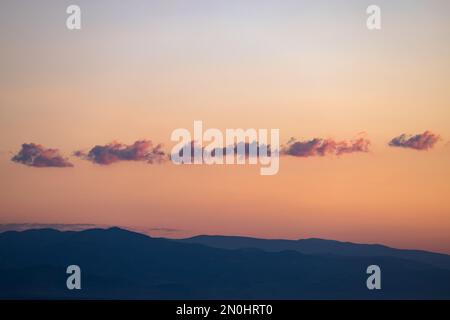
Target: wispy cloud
[322,147]
[155,231]
[36,155]
[150,231]
[57,226]
[421,141]
[142,150]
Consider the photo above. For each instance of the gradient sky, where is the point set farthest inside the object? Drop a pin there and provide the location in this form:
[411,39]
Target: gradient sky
[140,69]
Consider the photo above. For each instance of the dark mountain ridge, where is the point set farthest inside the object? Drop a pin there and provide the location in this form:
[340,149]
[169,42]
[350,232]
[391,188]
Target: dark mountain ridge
[119,264]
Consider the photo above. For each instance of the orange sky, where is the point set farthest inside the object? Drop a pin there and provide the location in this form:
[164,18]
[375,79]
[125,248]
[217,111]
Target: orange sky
[311,70]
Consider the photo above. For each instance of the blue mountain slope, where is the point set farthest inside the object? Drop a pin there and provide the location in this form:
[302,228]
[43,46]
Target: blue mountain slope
[321,246]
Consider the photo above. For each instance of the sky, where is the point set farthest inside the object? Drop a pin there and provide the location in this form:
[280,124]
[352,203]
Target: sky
[137,70]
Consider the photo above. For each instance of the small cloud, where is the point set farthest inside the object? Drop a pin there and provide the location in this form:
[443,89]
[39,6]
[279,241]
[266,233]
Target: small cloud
[79,154]
[323,147]
[36,155]
[421,141]
[248,149]
[142,150]
[240,149]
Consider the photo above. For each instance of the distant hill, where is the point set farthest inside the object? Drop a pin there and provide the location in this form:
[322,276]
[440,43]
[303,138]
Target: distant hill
[321,246]
[119,264]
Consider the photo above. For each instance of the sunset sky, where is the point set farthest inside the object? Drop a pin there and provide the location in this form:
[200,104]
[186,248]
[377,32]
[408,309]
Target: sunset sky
[141,69]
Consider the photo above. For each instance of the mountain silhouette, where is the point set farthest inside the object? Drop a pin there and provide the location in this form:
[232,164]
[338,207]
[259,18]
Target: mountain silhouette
[119,264]
[321,246]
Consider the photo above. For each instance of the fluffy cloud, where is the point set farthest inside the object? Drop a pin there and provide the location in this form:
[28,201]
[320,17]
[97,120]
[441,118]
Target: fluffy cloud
[322,147]
[35,155]
[142,150]
[240,149]
[421,141]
